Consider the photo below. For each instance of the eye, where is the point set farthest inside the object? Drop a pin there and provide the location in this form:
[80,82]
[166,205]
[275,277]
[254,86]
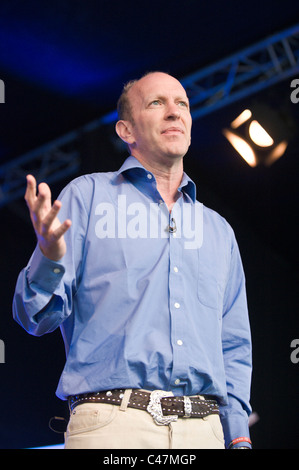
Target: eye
[156,102]
[184,104]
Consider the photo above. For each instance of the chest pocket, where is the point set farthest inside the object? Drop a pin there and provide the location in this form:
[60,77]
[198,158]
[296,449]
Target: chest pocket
[211,280]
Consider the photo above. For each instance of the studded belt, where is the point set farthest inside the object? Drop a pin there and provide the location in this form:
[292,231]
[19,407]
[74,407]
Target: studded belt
[163,406]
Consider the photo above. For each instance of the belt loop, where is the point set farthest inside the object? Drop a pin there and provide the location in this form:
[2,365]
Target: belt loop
[125,400]
[187,407]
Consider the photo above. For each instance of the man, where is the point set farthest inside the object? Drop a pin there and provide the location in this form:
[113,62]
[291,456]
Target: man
[148,289]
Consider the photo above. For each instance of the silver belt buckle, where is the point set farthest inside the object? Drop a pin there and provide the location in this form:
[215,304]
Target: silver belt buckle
[155,409]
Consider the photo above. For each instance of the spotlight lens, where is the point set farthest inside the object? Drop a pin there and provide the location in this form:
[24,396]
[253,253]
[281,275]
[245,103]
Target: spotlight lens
[242,147]
[259,135]
[243,117]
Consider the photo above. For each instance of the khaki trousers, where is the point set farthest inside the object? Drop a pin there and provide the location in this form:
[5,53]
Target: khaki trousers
[105,426]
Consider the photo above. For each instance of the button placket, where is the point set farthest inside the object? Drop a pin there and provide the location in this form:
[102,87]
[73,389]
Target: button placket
[177,305]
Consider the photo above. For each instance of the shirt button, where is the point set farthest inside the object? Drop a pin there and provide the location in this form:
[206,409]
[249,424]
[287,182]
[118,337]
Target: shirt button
[177,305]
[177,381]
[179,342]
[56,270]
[149,176]
[176,270]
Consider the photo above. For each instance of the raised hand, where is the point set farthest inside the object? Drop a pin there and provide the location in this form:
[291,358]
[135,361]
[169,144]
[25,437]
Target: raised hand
[49,230]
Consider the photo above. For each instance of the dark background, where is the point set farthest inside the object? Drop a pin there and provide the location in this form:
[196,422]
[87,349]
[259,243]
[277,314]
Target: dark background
[64,64]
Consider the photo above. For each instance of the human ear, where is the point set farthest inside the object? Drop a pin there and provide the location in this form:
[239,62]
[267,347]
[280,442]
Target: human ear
[124,131]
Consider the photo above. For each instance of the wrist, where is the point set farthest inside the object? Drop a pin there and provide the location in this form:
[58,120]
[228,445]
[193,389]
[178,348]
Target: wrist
[240,443]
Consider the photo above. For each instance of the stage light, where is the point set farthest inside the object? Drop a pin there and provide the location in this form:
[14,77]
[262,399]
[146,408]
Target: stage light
[260,135]
[244,116]
[241,146]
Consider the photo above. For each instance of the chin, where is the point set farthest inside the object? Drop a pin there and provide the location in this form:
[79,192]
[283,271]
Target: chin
[178,152]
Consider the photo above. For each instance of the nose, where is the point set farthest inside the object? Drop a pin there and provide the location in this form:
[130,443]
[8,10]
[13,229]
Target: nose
[172,111]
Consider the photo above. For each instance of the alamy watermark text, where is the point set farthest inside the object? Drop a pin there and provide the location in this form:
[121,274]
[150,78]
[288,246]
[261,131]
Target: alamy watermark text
[137,220]
[2,91]
[2,352]
[295,352]
[295,92]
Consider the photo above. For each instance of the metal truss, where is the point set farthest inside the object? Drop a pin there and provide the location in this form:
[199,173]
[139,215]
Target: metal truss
[247,72]
[52,162]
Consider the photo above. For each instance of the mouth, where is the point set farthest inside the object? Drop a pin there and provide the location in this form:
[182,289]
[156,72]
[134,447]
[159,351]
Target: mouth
[173,130]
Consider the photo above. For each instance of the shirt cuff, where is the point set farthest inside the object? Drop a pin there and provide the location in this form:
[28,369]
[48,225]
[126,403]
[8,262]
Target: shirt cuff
[235,425]
[44,272]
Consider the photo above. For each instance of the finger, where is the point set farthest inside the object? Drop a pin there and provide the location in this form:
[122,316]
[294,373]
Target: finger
[43,201]
[44,193]
[30,194]
[62,229]
[51,217]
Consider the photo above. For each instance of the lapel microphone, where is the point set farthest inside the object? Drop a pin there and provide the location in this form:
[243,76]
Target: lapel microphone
[172,226]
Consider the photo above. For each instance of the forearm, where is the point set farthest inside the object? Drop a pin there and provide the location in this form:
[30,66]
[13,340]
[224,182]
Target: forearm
[39,299]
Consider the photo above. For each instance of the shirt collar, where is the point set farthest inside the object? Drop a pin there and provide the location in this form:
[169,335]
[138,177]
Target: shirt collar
[131,163]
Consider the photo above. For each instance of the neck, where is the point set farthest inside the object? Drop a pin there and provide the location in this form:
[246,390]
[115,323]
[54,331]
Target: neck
[168,178]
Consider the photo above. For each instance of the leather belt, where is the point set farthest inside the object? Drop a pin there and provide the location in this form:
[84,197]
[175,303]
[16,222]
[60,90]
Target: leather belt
[163,406]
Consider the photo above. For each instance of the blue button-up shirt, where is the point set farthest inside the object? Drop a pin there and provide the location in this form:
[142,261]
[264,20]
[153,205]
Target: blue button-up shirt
[144,298]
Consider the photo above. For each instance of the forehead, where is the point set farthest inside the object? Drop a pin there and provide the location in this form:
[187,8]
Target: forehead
[157,84]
